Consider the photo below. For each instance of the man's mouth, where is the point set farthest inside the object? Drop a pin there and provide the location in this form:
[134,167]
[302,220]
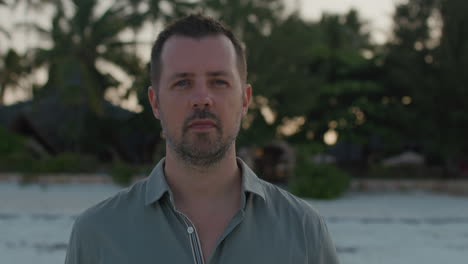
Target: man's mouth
[202,125]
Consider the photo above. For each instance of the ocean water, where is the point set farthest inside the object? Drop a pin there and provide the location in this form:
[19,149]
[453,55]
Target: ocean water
[367,228]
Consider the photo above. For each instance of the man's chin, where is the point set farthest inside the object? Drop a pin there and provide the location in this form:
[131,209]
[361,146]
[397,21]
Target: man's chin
[202,150]
[202,157]
[202,140]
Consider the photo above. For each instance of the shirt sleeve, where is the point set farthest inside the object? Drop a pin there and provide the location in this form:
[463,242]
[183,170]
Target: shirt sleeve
[326,252]
[78,248]
[73,249]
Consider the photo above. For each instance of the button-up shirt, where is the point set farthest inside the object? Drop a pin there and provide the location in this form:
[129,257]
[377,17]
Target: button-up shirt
[141,224]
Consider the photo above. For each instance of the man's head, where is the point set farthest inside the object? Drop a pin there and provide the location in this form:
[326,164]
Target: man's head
[197,27]
[199,91]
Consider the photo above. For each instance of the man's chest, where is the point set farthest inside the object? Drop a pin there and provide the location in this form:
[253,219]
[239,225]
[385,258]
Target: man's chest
[254,244]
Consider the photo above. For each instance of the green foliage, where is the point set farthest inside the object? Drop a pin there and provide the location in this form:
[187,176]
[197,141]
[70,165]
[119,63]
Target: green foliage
[79,42]
[322,78]
[14,156]
[10,143]
[67,162]
[13,153]
[319,181]
[430,70]
[62,163]
[18,162]
[122,173]
[311,69]
[13,68]
[307,149]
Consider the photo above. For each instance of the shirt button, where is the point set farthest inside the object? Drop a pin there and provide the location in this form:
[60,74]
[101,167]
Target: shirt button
[190,230]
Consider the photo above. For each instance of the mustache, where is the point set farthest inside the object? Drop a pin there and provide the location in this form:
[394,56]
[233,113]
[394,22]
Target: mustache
[201,114]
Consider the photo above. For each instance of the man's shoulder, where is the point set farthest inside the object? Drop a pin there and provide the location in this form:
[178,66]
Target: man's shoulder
[283,201]
[113,208]
[294,215]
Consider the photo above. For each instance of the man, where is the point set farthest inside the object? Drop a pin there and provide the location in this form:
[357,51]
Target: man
[200,204]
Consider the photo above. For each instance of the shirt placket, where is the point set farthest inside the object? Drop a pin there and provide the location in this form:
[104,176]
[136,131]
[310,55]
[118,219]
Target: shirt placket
[194,240]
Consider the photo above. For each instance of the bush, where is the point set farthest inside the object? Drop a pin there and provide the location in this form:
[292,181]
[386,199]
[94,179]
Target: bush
[122,173]
[66,162]
[13,152]
[319,181]
[10,143]
[14,156]
[15,161]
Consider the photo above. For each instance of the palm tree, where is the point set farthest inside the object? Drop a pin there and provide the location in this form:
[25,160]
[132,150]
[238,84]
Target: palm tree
[4,31]
[248,19]
[12,71]
[28,17]
[11,64]
[79,43]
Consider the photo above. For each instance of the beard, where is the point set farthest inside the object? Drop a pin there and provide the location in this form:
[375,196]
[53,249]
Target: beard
[201,149]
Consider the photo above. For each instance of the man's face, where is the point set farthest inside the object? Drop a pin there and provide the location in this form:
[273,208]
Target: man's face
[202,98]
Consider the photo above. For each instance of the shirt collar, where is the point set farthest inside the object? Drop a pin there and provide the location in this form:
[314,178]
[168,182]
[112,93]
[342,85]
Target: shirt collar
[250,182]
[156,185]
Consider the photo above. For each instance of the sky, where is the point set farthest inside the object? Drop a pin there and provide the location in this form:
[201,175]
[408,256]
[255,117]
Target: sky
[377,14]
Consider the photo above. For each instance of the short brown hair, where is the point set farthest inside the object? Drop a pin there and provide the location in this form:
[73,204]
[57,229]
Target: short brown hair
[195,26]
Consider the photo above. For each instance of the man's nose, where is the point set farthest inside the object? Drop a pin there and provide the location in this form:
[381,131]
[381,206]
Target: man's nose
[201,97]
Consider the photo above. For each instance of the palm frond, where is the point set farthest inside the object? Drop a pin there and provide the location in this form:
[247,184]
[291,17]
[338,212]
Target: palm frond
[41,31]
[83,16]
[5,32]
[123,59]
[109,25]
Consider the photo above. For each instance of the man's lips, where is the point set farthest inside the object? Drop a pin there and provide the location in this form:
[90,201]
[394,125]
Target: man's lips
[202,124]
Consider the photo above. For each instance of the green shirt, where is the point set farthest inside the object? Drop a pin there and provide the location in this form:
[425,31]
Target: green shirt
[141,225]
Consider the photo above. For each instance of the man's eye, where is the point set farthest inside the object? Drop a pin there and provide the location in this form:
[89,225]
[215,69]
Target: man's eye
[181,83]
[220,83]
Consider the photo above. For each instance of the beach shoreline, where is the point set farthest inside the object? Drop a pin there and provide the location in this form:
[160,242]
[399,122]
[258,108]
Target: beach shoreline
[448,186]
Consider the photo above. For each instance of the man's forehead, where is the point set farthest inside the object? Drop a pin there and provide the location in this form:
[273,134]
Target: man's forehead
[180,47]
[183,40]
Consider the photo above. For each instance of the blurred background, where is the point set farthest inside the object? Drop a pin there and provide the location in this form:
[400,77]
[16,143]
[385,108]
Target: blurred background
[361,103]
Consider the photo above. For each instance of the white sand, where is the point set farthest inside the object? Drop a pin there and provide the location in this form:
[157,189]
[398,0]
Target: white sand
[391,228]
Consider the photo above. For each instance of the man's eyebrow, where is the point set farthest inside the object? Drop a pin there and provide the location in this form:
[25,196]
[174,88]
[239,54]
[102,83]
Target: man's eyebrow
[178,75]
[218,73]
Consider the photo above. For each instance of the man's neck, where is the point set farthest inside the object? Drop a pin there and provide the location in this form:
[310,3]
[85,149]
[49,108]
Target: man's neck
[195,187]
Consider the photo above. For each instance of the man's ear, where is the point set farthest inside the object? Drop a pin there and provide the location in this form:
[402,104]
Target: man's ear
[246,99]
[153,101]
